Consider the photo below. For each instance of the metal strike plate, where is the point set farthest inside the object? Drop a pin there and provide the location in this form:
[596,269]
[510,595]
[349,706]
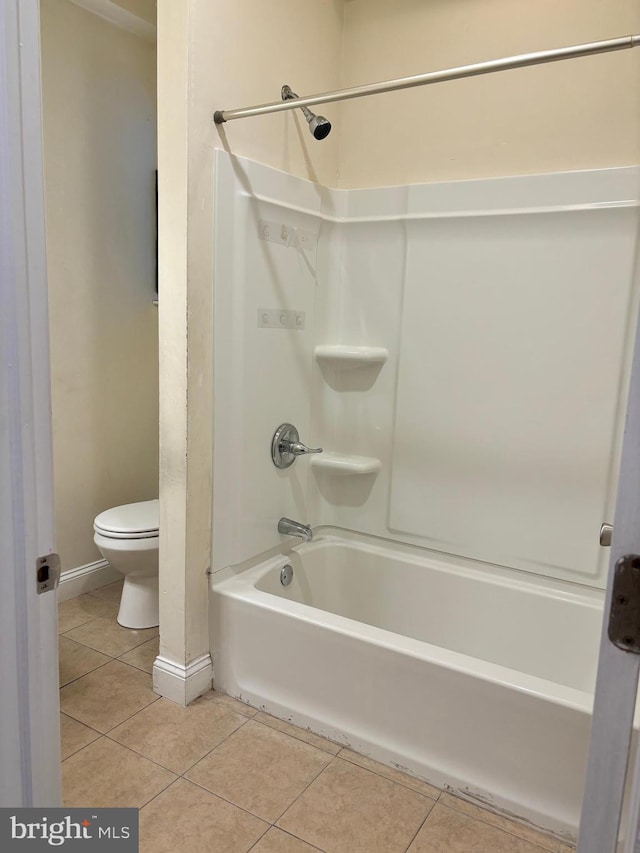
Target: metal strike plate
[47,573]
[624,618]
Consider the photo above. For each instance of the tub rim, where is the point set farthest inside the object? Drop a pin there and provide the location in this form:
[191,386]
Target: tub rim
[241,586]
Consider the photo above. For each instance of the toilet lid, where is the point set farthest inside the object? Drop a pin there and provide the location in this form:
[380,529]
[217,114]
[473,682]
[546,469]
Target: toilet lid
[130,521]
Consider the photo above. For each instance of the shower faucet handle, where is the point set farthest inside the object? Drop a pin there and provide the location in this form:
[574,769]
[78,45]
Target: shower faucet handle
[299,449]
[286,445]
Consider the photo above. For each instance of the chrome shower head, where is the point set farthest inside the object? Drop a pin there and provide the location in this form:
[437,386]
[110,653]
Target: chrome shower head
[318,125]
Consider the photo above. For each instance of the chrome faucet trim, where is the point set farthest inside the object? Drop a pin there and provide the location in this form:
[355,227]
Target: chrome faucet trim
[289,527]
[286,446]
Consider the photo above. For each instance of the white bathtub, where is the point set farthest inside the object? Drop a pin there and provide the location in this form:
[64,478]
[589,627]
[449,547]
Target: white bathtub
[466,676]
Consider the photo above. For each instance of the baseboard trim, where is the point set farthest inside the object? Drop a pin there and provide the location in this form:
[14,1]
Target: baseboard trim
[85,579]
[182,684]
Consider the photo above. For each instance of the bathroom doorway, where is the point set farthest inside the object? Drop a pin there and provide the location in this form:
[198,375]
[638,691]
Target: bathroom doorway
[98,64]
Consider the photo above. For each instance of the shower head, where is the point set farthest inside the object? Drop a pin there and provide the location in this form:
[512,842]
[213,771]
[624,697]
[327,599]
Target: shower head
[318,125]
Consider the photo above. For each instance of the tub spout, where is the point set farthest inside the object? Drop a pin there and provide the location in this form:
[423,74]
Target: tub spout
[289,527]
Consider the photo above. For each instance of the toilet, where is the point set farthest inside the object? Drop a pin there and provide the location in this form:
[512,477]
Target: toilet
[127,536]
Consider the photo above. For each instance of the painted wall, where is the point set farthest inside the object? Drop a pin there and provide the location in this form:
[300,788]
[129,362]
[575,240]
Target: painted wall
[577,114]
[100,154]
[215,56]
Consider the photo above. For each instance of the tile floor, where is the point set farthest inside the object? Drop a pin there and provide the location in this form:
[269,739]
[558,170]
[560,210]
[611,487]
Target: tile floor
[221,777]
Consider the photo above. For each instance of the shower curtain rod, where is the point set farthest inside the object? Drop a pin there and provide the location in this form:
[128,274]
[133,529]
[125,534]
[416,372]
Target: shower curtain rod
[505,64]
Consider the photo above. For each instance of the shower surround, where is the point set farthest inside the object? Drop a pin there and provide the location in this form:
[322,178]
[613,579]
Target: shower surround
[449,346]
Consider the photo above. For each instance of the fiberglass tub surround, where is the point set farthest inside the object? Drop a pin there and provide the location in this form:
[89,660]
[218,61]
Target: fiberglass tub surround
[444,344]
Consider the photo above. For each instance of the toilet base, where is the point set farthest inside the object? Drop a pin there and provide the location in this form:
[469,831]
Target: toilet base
[139,603]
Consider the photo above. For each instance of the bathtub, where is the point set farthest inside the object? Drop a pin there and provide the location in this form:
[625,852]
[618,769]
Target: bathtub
[468,676]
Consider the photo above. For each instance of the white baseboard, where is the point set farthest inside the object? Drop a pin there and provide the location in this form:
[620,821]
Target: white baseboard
[182,684]
[85,579]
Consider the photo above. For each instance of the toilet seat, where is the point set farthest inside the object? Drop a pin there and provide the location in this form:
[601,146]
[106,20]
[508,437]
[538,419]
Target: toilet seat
[131,521]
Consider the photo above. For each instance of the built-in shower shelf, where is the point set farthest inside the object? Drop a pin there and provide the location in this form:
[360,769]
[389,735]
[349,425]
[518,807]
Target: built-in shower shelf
[345,357]
[343,464]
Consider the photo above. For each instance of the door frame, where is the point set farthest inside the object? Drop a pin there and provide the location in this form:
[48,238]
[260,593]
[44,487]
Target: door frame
[29,722]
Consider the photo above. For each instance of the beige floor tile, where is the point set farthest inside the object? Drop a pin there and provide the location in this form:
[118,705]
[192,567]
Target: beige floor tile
[111,592]
[143,656]
[184,817]
[74,735]
[277,841]
[76,660]
[106,774]
[234,704]
[391,773]
[348,809]
[177,737]
[80,610]
[260,769]
[300,734]
[105,635]
[107,696]
[449,831]
[525,832]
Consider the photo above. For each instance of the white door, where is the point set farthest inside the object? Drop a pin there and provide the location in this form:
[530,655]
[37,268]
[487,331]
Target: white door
[29,713]
[618,666]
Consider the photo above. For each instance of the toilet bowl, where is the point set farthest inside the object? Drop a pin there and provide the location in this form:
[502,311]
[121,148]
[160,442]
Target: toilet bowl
[127,536]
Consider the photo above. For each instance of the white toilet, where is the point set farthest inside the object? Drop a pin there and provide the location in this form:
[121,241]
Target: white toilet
[127,537]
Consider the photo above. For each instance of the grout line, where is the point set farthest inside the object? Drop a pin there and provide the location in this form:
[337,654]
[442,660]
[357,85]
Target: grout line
[296,737]
[88,672]
[128,652]
[213,748]
[481,819]
[220,697]
[231,803]
[81,625]
[258,840]
[92,592]
[382,775]
[304,790]
[93,728]
[133,749]
[273,823]
[150,760]
[135,666]
[93,648]
[232,710]
[146,757]
[76,751]
[135,714]
[290,835]
[86,725]
[71,754]
[172,782]
[155,797]
[426,818]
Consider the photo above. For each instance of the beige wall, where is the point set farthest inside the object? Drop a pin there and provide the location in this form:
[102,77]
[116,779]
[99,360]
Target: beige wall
[99,147]
[219,54]
[214,55]
[572,115]
[143,9]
